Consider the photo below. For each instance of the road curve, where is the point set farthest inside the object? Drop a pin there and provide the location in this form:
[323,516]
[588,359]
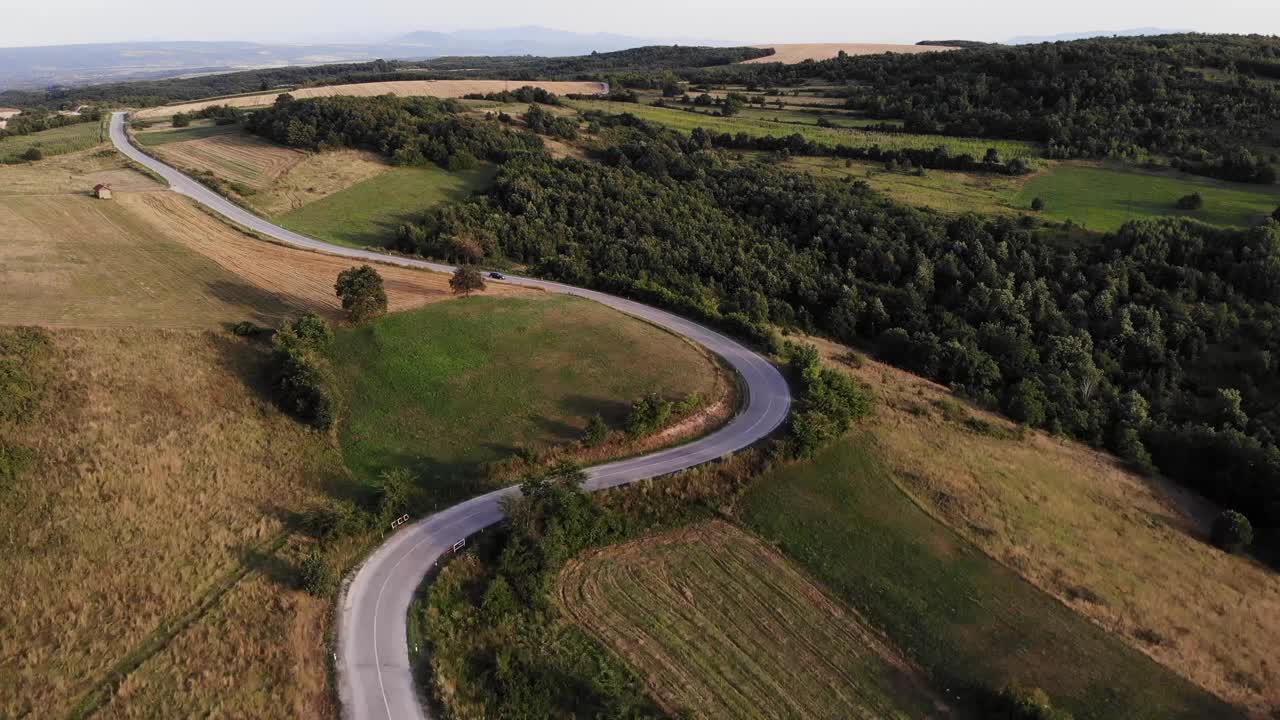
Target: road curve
[374,678]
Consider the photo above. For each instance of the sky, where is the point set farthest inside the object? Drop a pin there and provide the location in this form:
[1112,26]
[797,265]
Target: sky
[50,22]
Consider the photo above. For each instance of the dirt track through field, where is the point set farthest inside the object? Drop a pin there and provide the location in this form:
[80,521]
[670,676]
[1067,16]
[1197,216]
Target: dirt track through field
[403,88]
[719,625]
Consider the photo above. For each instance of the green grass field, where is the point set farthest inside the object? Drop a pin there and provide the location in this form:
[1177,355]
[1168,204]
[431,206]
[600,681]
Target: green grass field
[195,132]
[368,213]
[58,141]
[798,116]
[1104,198]
[686,121]
[454,385]
[938,189]
[967,620]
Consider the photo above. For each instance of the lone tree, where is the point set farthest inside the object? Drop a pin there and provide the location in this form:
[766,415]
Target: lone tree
[1037,204]
[466,280]
[362,293]
[1232,531]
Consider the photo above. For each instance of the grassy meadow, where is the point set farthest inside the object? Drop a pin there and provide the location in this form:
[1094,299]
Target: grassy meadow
[453,386]
[161,484]
[58,141]
[687,121]
[368,213]
[1131,553]
[719,625]
[196,131]
[1103,198]
[972,624]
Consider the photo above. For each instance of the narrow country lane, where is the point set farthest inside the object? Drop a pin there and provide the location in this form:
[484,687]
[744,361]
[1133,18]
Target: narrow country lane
[374,678]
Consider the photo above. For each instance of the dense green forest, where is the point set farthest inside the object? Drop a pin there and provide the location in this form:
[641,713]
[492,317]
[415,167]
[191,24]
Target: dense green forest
[1157,342]
[1209,101]
[409,131]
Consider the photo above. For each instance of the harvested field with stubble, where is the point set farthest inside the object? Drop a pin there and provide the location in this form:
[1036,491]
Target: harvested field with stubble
[1131,553]
[404,88]
[719,625]
[791,53]
[161,471]
[236,157]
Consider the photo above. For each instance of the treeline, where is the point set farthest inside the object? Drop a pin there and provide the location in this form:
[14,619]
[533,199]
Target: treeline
[939,158]
[33,122]
[409,131]
[524,94]
[1158,342]
[639,62]
[144,93]
[1209,101]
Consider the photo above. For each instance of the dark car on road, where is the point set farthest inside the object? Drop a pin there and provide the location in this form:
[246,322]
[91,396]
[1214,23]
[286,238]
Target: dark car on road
[497,276]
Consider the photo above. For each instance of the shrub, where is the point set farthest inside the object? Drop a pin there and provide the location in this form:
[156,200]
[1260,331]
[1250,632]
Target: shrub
[333,520]
[466,280]
[32,154]
[181,120]
[1232,531]
[362,293]
[829,401]
[1019,703]
[1276,215]
[303,382]
[596,433]
[15,461]
[1037,204]
[1194,201]
[392,493]
[316,576]
[648,414]
[246,329]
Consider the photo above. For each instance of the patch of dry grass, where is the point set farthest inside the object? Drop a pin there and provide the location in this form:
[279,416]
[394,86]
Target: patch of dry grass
[404,88]
[1129,552]
[154,258]
[318,176]
[75,173]
[719,625]
[159,470]
[791,53]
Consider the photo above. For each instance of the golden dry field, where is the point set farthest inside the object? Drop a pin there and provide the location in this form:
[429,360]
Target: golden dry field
[1129,552]
[151,257]
[791,53]
[404,88]
[162,478]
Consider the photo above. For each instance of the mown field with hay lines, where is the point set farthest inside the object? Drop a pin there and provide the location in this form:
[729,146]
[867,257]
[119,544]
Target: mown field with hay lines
[719,625]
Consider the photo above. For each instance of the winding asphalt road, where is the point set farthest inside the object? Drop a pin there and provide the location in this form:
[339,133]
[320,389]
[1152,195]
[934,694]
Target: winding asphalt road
[374,678]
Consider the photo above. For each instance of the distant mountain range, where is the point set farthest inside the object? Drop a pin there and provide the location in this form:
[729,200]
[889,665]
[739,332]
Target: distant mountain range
[1063,37]
[34,67]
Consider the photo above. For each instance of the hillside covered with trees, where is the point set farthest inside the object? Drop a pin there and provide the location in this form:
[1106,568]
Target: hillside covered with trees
[1209,101]
[1157,342]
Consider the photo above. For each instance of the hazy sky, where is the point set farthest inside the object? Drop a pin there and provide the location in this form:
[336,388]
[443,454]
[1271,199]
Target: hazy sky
[45,22]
